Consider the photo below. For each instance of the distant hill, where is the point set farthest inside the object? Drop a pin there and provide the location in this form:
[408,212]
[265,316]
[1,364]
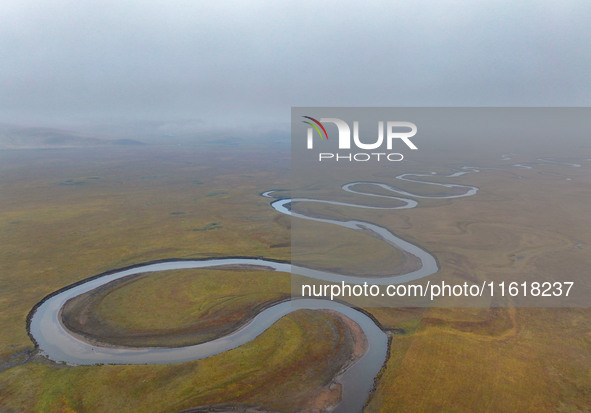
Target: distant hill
[16,137]
[126,142]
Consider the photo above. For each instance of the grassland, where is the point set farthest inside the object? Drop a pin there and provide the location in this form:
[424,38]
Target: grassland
[531,223]
[55,234]
[67,215]
[299,355]
[503,360]
[70,214]
[174,308]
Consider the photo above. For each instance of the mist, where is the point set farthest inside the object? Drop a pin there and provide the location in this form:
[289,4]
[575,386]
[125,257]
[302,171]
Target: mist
[186,66]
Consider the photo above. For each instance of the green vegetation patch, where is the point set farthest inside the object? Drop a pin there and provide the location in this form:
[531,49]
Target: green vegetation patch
[174,308]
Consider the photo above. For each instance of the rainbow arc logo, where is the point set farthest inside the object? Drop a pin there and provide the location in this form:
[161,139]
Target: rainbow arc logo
[314,125]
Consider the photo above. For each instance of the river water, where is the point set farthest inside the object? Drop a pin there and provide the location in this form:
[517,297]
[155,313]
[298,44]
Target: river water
[58,344]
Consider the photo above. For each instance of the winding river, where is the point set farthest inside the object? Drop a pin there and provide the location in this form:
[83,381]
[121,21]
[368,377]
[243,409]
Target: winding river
[58,344]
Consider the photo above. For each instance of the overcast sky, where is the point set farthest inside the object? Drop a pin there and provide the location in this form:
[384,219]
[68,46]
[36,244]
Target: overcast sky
[222,61]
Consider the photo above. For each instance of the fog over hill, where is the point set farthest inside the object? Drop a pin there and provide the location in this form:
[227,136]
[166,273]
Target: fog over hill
[18,137]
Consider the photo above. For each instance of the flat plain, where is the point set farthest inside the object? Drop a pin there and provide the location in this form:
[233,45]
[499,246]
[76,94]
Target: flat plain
[70,214]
